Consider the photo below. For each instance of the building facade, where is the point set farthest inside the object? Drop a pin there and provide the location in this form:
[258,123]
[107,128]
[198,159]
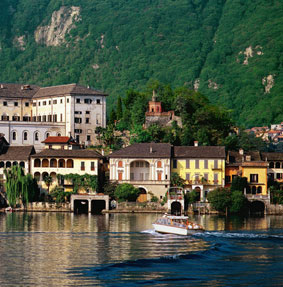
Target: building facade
[29,114]
[202,167]
[144,165]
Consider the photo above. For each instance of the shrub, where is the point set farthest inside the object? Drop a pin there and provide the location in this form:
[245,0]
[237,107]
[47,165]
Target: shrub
[125,192]
[238,202]
[220,199]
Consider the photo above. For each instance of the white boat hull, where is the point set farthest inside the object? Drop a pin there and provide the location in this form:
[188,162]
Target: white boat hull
[170,229]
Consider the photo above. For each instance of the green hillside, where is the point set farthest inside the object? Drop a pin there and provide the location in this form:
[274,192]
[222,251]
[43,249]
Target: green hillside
[231,50]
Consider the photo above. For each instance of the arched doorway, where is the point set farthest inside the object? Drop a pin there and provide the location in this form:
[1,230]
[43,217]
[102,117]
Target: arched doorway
[257,207]
[97,206]
[198,191]
[81,206]
[176,208]
[142,196]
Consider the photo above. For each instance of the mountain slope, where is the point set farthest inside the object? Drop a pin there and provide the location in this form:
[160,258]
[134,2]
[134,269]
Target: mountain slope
[231,50]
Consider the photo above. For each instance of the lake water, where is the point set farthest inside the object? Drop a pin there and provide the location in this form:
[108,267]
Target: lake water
[62,249]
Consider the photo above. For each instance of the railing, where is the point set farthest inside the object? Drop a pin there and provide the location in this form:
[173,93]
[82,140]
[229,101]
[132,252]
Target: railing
[203,182]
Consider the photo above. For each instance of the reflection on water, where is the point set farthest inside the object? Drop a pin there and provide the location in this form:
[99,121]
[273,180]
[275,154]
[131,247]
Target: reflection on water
[62,249]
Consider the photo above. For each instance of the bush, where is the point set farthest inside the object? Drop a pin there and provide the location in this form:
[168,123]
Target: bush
[276,196]
[220,199]
[238,202]
[191,197]
[239,183]
[125,192]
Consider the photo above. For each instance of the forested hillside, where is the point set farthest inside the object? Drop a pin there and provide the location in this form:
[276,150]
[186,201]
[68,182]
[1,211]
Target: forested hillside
[230,50]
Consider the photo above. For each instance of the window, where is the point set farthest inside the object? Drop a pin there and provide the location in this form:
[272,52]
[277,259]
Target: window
[5,117]
[88,138]
[98,101]
[54,118]
[78,112]
[92,166]
[120,176]
[54,102]
[38,119]
[39,104]
[216,178]
[50,146]
[82,165]
[120,163]
[159,164]
[68,100]
[47,135]
[34,104]
[61,101]
[25,136]
[87,112]
[87,101]
[77,138]
[253,177]
[5,104]
[215,163]
[34,118]
[61,117]
[27,104]
[78,131]
[277,165]
[206,164]
[205,176]
[36,136]
[78,101]
[78,120]
[197,163]
[159,176]
[174,163]
[279,175]
[44,118]
[49,118]
[187,163]
[87,120]
[132,176]
[44,103]
[49,102]
[187,176]
[227,178]
[16,104]
[14,136]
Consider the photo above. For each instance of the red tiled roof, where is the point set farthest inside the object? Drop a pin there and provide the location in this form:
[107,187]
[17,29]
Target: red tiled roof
[59,140]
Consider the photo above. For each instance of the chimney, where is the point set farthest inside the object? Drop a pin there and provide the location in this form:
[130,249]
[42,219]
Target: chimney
[102,152]
[248,158]
[195,143]
[241,151]
[153,96]
[150,148]
[2,86]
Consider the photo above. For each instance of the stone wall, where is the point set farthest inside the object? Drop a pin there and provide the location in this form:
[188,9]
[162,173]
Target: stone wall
[274,209]
[48,206]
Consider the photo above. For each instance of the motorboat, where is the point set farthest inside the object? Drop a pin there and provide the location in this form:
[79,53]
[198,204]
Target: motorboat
[179,225]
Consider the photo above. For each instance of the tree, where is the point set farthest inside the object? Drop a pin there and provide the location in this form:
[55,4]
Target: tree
[238,202]
[48,181]
[177,180]
[126,191]
[239,183]
[220,199]
[20,188]
[119,111]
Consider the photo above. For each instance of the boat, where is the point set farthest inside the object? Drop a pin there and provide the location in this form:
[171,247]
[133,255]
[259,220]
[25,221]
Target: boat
[179,225]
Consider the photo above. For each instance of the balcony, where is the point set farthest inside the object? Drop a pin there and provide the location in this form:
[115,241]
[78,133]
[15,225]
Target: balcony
[203,182]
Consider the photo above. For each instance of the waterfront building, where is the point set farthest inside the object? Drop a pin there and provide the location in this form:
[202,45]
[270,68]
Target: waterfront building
[249,165]
[202,167]
[14,155]
[275,166]
[29,114]
[144,165]
[54,162]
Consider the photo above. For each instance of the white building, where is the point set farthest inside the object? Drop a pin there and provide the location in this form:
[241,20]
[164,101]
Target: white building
[29,114]
[144,165]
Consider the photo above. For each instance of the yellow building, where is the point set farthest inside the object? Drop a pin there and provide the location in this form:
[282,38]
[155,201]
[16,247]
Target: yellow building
[202,167]
[249,165]
[59,157]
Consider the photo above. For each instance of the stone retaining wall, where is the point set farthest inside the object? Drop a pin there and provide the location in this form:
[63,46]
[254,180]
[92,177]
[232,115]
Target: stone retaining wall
[49,206]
